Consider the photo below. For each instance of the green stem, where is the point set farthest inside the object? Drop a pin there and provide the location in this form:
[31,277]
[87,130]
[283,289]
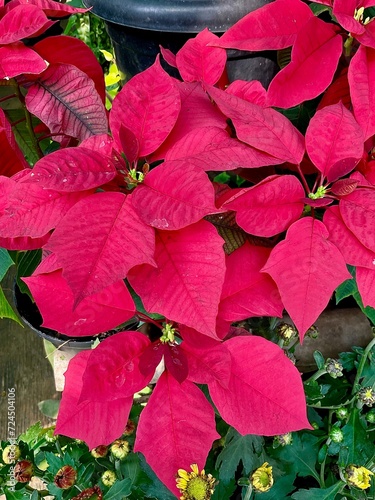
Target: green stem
[316,375]
[249,493]
[323,464]
[29,124]
[361,367]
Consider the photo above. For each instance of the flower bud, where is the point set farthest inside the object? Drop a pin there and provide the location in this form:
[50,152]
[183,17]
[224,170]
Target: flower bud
[109,478]
[100,451]
[23,471]
[120,448]
[366,396]
[342,413]
[262,478]
[312,332]
[11,453]
[283,439]
[94,493]
[336,435]
[334,368]
[65,477]
[286,332]
[130,428]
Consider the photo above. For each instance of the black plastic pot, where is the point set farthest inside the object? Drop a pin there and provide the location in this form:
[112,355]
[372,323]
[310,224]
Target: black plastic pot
[138,27]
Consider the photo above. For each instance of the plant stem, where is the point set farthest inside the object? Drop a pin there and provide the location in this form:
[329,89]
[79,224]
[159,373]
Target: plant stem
[316,375]
[249,492]
[304,182]
[361,367]
[29,124]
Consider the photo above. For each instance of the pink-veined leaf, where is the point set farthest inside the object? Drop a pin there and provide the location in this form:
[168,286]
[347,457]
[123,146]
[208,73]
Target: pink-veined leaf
[23,243]
[198,61]
[71,169]
[344,11]
[186,285]
[211,148]
[315,56]
[251,403]
[101,143]
[197,111]
[262,128]
[148,104]
[307,268]
[17,59]
[178,424]
[23,21]
[365,279]
[168,56]
[30,210]
[271,27]
[358,212]
[129,143]
[51,8]
[95,314]
[367,38]
[118,240]
[69,50]
[342,187]
[76,419]
[65,99]
[269,207]
[252,91]
[12,159]
[355,254]
[169,199]
[112,371]
[206,365]
[327,141]
[361,75]
[246,291]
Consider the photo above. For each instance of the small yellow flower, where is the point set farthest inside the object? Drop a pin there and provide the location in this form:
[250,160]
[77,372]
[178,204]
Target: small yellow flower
[358,476]
[262,478]
[120,448]
[195,485]
[109,478]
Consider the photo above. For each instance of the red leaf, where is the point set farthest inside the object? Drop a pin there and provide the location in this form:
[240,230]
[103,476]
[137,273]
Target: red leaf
[101,143]
[361,77]
[273,26]
[112,370]
[208,364]
[23,22]
[315,56]
[358,212]
[338,91]
[69,50]
[246,291]
[211,148]
[95,314]
[16,59]
[186,285]
[262,128]
[307,269]
[265,393]
[71,169]
[129,143]
[327,141]
[176,362]
[197,111]
[12,159]
[365,279]
[30,210]
[197,61]
[23,243]
[148,105]
[118,240]
[252,91]
[269,207]
[76,419]
[177,424]
[343,187]
[169,199]
[65,99]
[168,56]
[344,11]
[352,249]
[50,7]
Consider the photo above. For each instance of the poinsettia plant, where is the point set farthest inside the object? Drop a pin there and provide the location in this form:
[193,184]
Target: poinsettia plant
[133,218]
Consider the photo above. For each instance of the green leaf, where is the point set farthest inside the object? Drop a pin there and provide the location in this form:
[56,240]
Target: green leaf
[281,488]
[313,392]
[121,489]
[49,407]
[5,262]
[319,359]
[130,468]
[14,495]
[31,433]
[301,455]
[356,445]
[318,8]
[247,449]
[155,488]
[319,493]
[26,265]
[223,490]
[345,290]
[6,310]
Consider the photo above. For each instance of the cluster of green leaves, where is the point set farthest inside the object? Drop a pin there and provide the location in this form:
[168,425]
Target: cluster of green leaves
[48,454]
[313,466]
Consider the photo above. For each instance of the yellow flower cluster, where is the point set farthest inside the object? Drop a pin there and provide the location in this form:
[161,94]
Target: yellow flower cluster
[195,485]
[358,476]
